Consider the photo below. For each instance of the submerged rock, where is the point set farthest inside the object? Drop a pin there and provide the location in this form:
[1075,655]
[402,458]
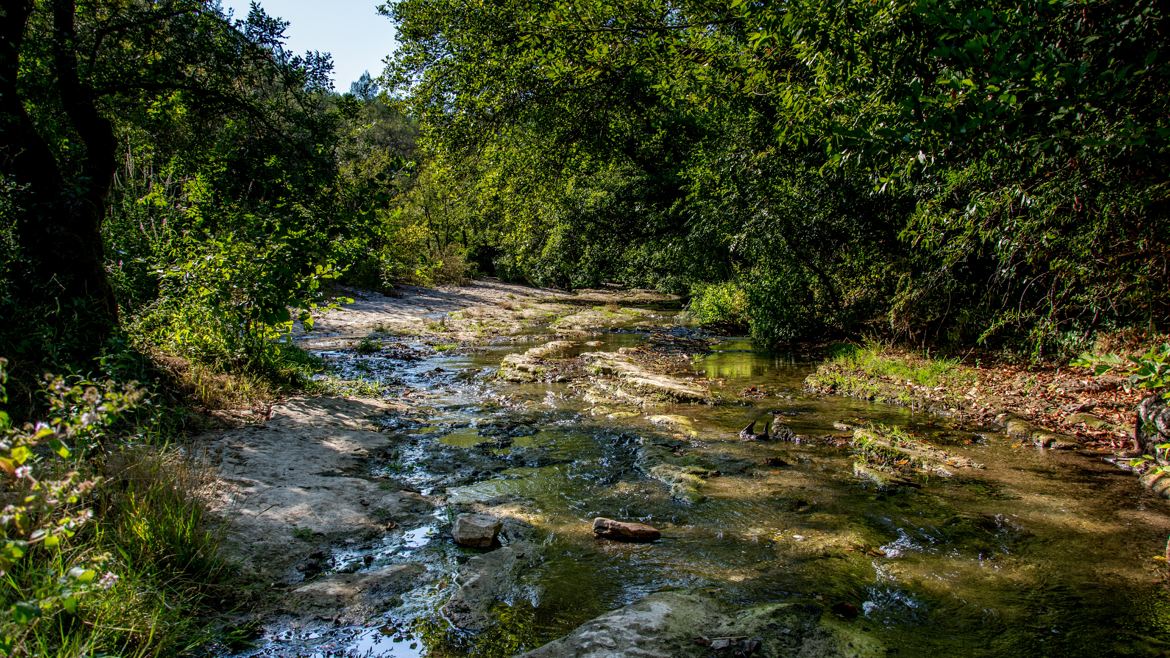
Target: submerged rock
[879,478]
[624,531]
[354,597]
[685,482]
[889,458]
[1024,430]
[666,460]
[674,422]
[669,624]
[485,581]
[476,530]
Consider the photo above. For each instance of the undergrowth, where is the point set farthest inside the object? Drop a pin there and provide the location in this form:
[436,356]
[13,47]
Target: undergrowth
[105,546]
[876,372]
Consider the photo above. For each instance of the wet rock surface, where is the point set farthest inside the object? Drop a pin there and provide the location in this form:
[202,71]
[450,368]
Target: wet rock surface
[1034,435]
[351,598]
[671,624]
[486,581]
[629,531]
[476,530]
[623,380]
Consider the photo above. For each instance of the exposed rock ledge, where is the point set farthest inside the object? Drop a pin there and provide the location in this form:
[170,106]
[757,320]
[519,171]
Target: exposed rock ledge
[670,624]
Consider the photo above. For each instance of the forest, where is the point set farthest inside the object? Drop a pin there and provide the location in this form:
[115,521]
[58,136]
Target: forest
[182,197]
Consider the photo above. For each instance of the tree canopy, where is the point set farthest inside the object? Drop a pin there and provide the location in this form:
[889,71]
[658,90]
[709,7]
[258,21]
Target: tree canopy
[951,171]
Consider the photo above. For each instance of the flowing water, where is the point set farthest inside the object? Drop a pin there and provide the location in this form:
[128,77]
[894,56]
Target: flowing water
[1038,553]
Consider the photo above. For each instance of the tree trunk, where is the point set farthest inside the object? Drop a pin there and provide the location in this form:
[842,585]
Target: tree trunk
[58,221]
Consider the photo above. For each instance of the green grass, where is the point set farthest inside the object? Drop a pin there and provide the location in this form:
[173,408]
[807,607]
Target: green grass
[881,374]
[151,531]
[358,388]
[875,360]
[368,346]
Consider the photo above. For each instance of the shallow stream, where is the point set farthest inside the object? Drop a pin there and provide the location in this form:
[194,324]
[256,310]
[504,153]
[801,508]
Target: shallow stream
[1038,553]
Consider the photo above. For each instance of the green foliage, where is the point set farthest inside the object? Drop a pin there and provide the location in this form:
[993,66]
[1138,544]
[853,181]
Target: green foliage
[719,305]
[958,173]
[1148,372]
[46,494]
[875,372]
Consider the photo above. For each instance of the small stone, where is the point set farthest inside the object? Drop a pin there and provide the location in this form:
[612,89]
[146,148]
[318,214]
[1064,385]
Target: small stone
[624,531]
[476,530]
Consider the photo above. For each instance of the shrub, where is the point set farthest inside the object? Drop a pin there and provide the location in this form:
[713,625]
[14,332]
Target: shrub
[721,305]
[45,493]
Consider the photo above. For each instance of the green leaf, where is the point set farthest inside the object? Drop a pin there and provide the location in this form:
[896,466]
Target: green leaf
[58,446]
[23,613]
[21,454]
[83,576]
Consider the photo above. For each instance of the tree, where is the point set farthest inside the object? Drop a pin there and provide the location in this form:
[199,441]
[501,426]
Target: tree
[364,88]
[59,204]
[68,71]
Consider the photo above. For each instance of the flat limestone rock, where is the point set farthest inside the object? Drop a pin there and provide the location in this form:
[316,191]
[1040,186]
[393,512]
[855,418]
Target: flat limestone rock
[642,385]
[278,481]
[354,597]
[534,364]
[557,349]
[625,531]
[670,624]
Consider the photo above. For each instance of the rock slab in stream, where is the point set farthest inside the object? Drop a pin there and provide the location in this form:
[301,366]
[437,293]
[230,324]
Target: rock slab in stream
[485,581]
[476,530]
[351,597]
[671,624]
[624,531]
[1018,428]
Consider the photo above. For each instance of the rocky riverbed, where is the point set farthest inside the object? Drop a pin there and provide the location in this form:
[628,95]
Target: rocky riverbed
[451,508]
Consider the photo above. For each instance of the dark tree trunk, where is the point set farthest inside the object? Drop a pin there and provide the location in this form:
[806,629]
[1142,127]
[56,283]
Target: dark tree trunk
[59,215]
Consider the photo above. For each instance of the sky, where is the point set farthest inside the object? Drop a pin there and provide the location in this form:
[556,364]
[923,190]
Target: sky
[358,38]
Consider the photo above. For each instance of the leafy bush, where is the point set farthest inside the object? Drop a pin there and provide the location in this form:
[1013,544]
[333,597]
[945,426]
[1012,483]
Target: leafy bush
[45,494]
[1147,372]
[723,305]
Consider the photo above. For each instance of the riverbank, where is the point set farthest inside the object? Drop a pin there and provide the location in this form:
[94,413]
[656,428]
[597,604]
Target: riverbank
[1094,412]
